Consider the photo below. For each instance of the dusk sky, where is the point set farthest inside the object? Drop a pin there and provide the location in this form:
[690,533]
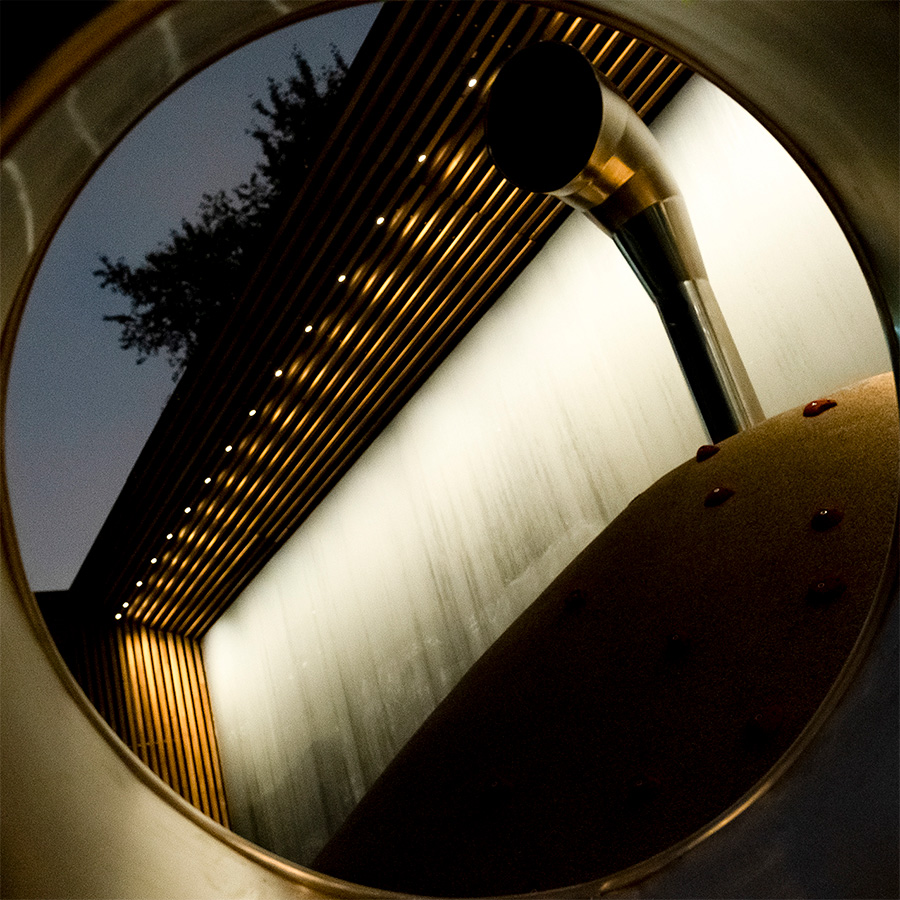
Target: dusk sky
[79,409]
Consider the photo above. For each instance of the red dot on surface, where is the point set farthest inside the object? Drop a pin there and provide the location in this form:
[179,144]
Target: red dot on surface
[816,407]
[826,590]
[717,496]
[826,519]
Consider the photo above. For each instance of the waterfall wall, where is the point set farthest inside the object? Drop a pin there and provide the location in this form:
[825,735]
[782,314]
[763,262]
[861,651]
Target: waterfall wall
[561,405]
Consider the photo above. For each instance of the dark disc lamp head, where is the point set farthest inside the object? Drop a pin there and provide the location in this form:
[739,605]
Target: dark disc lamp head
[544,116]
[556,126]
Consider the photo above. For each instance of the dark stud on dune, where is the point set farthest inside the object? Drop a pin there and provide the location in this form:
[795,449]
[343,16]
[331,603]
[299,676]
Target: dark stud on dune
[764,724]
[677,646]
[825,591]
[575,599]
[706,451]
[717,496]
[816,407]
[826,519]
[642,789]
[494,794]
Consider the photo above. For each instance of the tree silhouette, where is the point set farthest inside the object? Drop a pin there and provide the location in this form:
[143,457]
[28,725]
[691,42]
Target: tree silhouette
[179,291]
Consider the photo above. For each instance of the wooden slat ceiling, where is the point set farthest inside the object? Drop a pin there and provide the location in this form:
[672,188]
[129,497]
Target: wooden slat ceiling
[345,318]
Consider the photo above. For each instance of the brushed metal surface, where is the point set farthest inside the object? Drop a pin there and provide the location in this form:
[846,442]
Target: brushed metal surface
[824,77]
[555,125]
[535,433]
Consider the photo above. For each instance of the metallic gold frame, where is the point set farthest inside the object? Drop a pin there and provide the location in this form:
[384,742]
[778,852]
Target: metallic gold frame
[709,45]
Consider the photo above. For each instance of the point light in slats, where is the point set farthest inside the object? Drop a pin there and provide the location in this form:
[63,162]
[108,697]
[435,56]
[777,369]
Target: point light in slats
[349,352]
[375,275]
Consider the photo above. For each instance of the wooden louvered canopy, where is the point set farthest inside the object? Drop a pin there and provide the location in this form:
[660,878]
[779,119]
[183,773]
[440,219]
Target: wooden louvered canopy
[345,317]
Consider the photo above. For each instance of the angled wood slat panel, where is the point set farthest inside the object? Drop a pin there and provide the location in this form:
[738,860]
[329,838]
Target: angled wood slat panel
[151,688]
[455,235]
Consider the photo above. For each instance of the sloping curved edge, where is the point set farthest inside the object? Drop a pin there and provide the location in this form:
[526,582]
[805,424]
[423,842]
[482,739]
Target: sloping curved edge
[79,819]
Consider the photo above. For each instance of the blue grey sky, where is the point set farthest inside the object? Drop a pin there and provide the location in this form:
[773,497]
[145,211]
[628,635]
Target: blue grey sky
[79,409]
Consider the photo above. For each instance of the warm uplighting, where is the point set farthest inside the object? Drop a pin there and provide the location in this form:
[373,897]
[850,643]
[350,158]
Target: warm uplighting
[473,82]
[278,372]
[379,220]
[422,157]
[118,615]
[207,480]
[139,583]
[169,536]
[252,412]
[187,509]
[228,448]
[308,329]
[125,605]
[342,277]
[153,560]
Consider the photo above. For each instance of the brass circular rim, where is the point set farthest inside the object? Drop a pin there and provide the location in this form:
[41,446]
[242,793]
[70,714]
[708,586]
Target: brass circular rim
[71,62]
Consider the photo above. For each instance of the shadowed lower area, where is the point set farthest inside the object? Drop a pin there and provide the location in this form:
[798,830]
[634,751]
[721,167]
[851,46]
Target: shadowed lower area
[658,678]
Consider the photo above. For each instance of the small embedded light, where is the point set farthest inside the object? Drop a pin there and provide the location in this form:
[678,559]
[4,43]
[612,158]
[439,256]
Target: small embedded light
[379,220]
[118,615]
[252,412]
[139,583]
[422,157]
[342,277]
[125,605]
[207,480]
[308,329]
[169,536]
[278,372]
[153,560]
[473,82]
[187,509]
[228,448]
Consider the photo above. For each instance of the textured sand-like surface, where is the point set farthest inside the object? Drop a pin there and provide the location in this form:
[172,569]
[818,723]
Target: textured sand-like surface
[586,739]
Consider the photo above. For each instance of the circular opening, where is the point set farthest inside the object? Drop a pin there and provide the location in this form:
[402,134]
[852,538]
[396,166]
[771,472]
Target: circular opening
[493,793]
[544,116]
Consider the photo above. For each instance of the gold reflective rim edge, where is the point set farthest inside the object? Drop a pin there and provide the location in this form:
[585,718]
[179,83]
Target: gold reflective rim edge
[69,61]
[25,107]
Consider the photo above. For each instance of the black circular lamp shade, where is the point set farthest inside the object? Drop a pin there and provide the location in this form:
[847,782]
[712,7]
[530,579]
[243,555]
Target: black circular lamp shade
[544,116]
[808,831]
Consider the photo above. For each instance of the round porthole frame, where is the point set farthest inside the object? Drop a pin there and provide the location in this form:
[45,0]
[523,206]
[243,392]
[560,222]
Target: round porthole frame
[785,805]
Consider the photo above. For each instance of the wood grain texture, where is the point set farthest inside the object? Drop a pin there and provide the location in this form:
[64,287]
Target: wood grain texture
[151,687]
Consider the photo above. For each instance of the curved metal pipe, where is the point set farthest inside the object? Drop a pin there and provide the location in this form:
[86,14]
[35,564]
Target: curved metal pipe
[814,834]
[554,126]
